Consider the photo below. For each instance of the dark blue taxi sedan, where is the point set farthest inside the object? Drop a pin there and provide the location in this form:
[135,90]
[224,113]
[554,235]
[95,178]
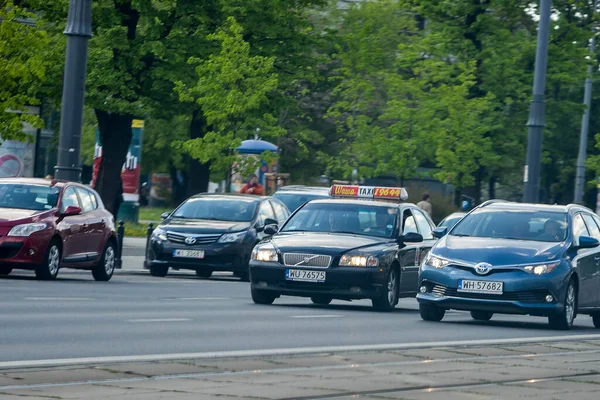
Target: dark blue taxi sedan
[512,258]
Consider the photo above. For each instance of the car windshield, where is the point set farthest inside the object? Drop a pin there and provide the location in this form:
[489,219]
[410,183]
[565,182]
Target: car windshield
[219,208]
[542,226]
[294,201]
[356,219]
[450,221]
[28,197]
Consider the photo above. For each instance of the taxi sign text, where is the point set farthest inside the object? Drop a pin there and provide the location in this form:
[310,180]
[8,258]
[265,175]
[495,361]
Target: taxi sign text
[368,192]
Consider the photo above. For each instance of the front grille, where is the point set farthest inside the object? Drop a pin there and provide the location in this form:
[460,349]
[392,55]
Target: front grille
[200,239]
[307,286]
[533,296]
[10,249]
[306,260]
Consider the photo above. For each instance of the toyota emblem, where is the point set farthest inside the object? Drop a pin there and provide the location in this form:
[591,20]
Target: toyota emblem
[190,240]
[483,268]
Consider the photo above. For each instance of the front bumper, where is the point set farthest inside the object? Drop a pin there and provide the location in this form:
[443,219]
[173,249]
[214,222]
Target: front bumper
[344,283]
[24,252]
[217,256]
[523,293]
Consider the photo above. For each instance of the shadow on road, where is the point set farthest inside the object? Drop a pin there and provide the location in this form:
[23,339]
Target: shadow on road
[344,307]
[541,325]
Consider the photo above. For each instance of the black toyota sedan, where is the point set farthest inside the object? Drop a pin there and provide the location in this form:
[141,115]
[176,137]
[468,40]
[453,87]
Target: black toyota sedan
[344,249]
[212,232]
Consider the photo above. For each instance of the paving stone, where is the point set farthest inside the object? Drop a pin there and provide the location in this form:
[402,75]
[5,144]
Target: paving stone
[154,369]
[78,392]
[63,375]
[8,396]
[250,391]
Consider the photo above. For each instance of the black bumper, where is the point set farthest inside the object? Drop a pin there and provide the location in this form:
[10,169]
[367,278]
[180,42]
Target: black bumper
[344,283]
[217,256]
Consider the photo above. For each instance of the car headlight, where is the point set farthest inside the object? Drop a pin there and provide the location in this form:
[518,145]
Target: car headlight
[232,237]
[436,262]
[159,234]
[265,253]
[359,260]
[26,229]
[541,269]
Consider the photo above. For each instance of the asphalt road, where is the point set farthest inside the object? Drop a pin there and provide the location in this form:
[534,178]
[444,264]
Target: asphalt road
[135,314]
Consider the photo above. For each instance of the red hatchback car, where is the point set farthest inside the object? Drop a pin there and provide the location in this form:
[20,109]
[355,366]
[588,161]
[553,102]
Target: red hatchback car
[47,225]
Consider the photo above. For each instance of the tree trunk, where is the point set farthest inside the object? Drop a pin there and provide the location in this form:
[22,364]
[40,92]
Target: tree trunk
[458,197]
[115,137]
[479,174]
[492,187]
[179,189]
[199,174]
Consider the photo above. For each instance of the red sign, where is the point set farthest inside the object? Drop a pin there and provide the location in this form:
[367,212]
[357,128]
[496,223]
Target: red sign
[369,192]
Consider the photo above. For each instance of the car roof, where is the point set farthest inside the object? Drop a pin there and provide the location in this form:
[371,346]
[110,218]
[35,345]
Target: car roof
[231,195]
[302,188]
[40,182]
[535,207]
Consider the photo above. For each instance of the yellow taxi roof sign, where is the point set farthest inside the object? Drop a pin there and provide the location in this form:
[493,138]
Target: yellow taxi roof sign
[369,192]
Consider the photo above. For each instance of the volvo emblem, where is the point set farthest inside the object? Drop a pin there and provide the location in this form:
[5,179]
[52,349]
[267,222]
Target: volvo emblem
[483,268]
[190,240]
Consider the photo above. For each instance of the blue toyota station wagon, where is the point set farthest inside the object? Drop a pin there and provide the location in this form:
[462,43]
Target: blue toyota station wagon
[513,258]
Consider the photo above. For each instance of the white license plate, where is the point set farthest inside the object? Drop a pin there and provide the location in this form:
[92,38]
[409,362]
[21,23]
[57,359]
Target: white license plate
[304,275]
[480,287]
[188,253]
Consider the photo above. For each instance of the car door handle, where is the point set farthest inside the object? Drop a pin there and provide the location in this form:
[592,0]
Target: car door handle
[597,258]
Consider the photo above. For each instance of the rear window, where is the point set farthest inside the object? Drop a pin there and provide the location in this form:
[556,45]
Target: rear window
[543,226]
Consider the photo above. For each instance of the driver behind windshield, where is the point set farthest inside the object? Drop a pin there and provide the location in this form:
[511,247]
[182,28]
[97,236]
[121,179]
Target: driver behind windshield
[382,218]
[551,231]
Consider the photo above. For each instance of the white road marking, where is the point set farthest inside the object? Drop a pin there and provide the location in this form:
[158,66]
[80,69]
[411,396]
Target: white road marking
[58,298]
[316,316]
[160,320]
[200,298]
[289,351]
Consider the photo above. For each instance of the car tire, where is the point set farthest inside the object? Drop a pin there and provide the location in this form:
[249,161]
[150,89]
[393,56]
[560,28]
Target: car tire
[48,270]
[389,298]
[106,267]
[564,319]
[430,312]
[596,320]
[262,296]
[481,315]
[321,300]
[204,273]
[159,271]
[5,270]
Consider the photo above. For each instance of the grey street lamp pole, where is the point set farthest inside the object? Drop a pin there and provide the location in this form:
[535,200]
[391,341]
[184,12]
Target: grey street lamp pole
[537,117]
[585,120]
[78,31]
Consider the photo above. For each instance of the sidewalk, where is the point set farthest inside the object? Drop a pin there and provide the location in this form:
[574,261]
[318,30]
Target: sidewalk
[560,370]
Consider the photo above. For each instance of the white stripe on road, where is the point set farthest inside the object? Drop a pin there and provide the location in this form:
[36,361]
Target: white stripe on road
[58,298]
[200,298]
[316,316]
[160,320]
[289,351]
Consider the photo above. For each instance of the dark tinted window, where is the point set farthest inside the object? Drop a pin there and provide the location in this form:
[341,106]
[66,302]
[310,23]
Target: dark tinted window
[295,200]
[28,197]
[69,199]
[218,208]
[344,218]
[544,226]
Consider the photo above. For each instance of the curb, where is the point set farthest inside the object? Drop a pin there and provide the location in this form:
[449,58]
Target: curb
[287,352]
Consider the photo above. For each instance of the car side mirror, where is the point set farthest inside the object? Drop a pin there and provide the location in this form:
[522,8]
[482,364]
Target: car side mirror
[72,210]
[270,221]
[271,229]
[411,237]
[165,215]
[440,232]
[586,242]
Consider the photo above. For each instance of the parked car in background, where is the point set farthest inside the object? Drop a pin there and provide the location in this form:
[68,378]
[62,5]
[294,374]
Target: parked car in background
[46,225]
[451,220]
[295,196]
[212,232]
[512,258]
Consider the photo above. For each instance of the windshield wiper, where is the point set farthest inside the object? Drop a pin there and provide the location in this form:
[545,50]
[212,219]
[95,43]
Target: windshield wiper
[348,233]
[460,234]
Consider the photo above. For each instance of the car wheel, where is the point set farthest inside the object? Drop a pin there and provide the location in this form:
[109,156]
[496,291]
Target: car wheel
[48,270]
[596,320]
[321,300]
[204,273]
[159,270]
[564,319]
[106,267]
[431,312]
[5,270]
[262,296]
[389,298]
[481,315]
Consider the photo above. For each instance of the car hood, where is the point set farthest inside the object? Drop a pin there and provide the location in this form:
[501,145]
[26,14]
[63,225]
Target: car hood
[201,226]
[15,214]
[497,251]
[331,244]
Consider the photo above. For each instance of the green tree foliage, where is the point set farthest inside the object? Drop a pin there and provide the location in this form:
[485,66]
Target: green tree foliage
[22,69]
